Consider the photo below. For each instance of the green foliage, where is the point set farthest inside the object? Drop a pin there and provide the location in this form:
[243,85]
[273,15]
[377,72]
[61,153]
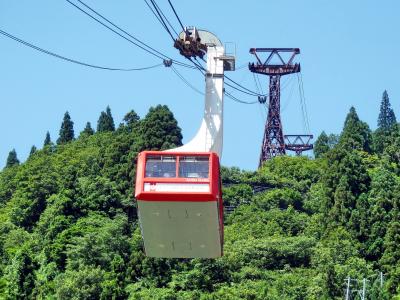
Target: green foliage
[32,151]
[88,130]
[237,194]
[159,130]
[47,140]
[85,283]
[321,145]
[356,133]
[300,227]
[130,121]
[386,118]
[12,159]
[106,121]
[66,130]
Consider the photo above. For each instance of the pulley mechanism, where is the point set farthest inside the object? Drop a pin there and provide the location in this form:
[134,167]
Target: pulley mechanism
[189,43]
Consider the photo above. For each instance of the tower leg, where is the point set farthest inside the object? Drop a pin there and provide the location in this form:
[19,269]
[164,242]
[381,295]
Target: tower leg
[273,141]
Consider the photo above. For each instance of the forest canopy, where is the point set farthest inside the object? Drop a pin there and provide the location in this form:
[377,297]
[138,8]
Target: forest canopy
[298,228]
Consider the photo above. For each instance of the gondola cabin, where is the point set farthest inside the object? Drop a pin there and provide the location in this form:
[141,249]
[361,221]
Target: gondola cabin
[179,203]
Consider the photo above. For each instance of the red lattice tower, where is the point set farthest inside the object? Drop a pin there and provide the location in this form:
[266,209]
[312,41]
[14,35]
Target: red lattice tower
[274,141]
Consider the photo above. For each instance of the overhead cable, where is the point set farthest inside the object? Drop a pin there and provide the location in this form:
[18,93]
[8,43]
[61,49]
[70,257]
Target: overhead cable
[304,101]
[185,81]
[250,92]
[162,17]
[73,60]
[135,41]
[197,64]
[176,15]
[256,83]
[240,90]
[243,88]
[303,105]
[158,18]
[229,95]
[165,18]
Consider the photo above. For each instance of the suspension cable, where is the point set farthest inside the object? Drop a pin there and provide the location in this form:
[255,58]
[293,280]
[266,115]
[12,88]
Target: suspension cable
[185,81]
[143,45]
[229,95]
[303,105]
[166,19]
[197,64]
[176,15]
[304,101]
[70,59]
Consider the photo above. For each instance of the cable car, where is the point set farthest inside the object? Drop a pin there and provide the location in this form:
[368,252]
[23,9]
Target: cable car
[178,191]
[180,204]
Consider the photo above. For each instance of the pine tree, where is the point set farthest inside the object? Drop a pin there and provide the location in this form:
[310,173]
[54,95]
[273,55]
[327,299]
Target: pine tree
[159,130]
[321,145]
[106,121]
[383,136]
[66,130]
[33,150]
[346,178]
[130,120]
[47,140]
[382,198]
[344,202]
[88,130]
[386,118]
[356,133]
[12,159]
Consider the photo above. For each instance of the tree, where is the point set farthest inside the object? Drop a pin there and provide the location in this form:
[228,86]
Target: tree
[84,283]
[386,132]
[47,140]
[33,150]
[66,130]
[345,178]
[333,139]
[391,256]
[130,120]
[356,133]
[88,130]
[386,117]
[159,130]
[321,145]
[106,121]
[12,159]
[344,202]
[382,199]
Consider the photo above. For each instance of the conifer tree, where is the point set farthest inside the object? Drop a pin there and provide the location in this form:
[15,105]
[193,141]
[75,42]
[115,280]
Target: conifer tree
[130,120]
[321,145]
[356,133]
[33,150]
[47,140]
[12,159]
[382,199]
[88,129]
[383,136]
[106,121]
[66,130]
[159,130]
[344,202]
[386,117]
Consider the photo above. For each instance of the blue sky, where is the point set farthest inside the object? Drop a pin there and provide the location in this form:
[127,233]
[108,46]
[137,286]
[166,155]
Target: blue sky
[349,56]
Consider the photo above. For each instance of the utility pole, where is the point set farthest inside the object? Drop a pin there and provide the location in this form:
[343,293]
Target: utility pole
[363,289]
[348,288]
[274,141]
